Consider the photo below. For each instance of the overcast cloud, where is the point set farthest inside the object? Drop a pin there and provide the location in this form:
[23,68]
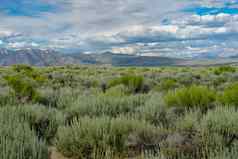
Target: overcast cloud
[182,28]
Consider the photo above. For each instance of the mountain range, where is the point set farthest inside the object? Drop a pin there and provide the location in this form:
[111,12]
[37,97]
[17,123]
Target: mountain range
[38,57]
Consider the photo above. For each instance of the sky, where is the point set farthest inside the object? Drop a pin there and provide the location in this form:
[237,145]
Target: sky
[171,28]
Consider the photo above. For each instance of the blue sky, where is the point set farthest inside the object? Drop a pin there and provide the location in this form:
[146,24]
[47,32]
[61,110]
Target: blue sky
[26,7]
[174,28]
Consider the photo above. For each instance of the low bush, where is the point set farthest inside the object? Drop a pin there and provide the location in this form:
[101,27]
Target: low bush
[230,95]
[184,141]
[94,106]
[43,121]
[17,140]
[22,68]
[7,100]
[30,72]
[154,111]
[185,78]
[191,97]
[23,88]
[224,69]
[189,122]
[168,84]
[87,136]
[220,123]
[60,98]
[117,91]
[134,83]
[224,153]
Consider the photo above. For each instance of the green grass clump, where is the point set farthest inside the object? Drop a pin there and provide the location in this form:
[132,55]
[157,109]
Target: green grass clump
[191,97]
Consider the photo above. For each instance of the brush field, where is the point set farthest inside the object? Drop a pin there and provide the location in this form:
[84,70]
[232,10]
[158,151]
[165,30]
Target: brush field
[99,112]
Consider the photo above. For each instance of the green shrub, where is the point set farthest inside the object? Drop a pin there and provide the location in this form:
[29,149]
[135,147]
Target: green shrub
[218,81]
[134,83]
[154,111]
[185,78]
[7,100]
[87,136]
[224,153]
[17,141]
[58,98]
[189,122]
[191,97]
[230,95]
[181,146]
[223,69]
[29,72]
[22,68]
[167,84]
[43,121]
[184,140]
[103,105]
[23,88]
[117,91]
[220,122]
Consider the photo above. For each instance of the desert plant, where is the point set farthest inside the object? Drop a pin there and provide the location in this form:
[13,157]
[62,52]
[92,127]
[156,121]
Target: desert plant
[89,135]
[22,67]
[167,84]
[30,72]
[22,87]
[44,122]
[118,91]
[95,106]
[154,110]
[230,95]
[191,97]
[17,140]
[134,83]
[223,69]
[221,122]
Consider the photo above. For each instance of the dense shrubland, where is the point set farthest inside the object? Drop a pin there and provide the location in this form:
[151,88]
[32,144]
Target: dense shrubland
[106,112]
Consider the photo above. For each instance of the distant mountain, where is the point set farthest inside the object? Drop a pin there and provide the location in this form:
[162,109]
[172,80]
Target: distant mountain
[124,59]
[207,55]
[35,57]
[39,57]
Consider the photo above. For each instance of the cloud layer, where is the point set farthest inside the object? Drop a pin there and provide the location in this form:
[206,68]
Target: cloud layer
[185,28]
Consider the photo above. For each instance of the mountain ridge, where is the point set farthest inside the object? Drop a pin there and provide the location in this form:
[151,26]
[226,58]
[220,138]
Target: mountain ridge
[39,57]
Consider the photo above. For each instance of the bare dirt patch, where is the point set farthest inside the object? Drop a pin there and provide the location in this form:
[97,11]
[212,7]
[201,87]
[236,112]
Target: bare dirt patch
[54,154]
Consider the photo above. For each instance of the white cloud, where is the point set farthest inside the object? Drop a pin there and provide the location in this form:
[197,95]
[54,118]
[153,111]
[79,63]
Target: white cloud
[125,26]
[126,50]
[6,33]
[17,45]
[22,45]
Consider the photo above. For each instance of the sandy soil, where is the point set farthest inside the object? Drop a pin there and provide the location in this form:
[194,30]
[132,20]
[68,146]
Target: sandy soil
[55,154]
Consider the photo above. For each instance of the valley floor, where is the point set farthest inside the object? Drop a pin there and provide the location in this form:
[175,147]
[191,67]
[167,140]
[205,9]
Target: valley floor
[99,112]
